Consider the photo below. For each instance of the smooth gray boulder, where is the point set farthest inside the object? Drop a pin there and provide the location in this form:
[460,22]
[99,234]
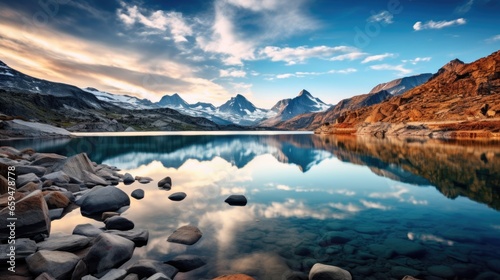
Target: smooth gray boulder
[186,263]
[55,214]
[58,177]
[139,236]
[102,200]
[88,230]
[24,248]
[64,242]
[25,169]
[119,223]
[109,251]
[323,272]
[137,194]
[146,268]
[75,166]
[236,200]
[178,196]
[187,235]
[32,216]
[128,179]
[46,160]
[58,264]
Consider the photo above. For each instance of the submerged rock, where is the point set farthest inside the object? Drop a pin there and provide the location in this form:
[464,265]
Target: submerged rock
[64,242]
[236,200]
[187,235]
[186,263]
[322,271]
[405,247]
[334,237]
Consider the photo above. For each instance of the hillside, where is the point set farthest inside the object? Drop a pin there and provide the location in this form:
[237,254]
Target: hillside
[458,92]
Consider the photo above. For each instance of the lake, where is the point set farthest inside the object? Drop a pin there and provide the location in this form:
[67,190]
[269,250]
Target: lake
[379,208]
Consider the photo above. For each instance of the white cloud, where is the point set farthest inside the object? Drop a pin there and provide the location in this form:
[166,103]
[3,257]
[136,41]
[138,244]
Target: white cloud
[400,68]
[232,72]
[300,54]
[438,24]
[304,74]
[417,60]
[383,16]
[493,38]
[348,56]
[157,20]
[374,205]
[462,9]
[378,57]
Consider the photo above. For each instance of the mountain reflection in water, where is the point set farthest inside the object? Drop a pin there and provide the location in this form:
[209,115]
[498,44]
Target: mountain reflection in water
[470,169]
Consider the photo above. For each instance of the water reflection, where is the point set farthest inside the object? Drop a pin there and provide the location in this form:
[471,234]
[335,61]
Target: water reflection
[303,190]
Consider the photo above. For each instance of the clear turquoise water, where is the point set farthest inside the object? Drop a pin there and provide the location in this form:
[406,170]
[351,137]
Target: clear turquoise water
[428,209]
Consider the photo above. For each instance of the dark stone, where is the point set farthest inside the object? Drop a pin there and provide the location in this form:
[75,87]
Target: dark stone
[64,242]
[103,199]
[178,196]
[88,230]
[186,263]
[137,194]
[139,236]
[187,235]
[109,251]
[334,237]
[146,268]
[24,248]
[128,179]
[119,223]
[165,183]
[59,264]
[236,200]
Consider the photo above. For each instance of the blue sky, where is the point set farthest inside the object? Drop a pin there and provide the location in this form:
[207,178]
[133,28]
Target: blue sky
[266,50]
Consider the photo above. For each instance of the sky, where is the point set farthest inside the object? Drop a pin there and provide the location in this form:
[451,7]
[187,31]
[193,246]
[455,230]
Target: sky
[266,50]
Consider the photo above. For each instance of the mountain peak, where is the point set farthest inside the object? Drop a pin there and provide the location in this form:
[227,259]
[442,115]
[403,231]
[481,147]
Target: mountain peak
[305,92]
[453,64]
[3,64]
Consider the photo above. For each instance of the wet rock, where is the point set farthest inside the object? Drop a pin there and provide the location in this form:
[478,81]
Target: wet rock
[143,180]
[4,185]
[147,268]
[58,264]
[236,200]
[114,274]
[128,179]
[159,276]
[234,277]
[25,169]
[322,271]
[109,251]
[26,178]
[494,265]
[405,247]
[88,230]
[77,166]
[294,275]
[46,159]
[402,271]
[64,242]
[104,199]
[24,248]
[178,196]
[137,194]
[57,177]
[56,200]
[29,187]
[165,183]
[55,214]
[131,276]
[381,250]
[187,235]
[186,263]
[32,216]
[119,223]
[140,237]
[334,237]
[45,276]
[4,198]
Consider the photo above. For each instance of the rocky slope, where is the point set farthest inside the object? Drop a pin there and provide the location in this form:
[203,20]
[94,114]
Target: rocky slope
[378,94]
[458,92]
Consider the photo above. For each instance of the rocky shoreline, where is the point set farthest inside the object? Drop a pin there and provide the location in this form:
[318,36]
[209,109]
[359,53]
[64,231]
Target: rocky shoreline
[49,186]
[484,129]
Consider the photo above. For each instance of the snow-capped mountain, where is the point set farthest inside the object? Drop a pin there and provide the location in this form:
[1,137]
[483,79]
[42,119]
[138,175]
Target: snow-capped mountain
[173,101]
[241,111]
[301,104]
[399,86]
[123,101]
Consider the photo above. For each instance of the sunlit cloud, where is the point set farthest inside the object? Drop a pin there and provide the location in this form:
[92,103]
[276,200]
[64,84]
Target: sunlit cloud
[374,205]
[346,192]
[305,74]
[348,56]
[346,207]
[398,68]
[417,60]
[493,39]
[302,53]
[438,24]
[428,237]
[232,72]
[378,57]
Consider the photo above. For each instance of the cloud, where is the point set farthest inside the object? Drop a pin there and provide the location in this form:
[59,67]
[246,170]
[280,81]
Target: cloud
[384,17]
[348,56]
[493,39]
[374,205]
[378,57]
[400,68]
[157,20]
[417,60]
[232,72]
[438,24]
[304,74]
[463,9]
[300,54]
